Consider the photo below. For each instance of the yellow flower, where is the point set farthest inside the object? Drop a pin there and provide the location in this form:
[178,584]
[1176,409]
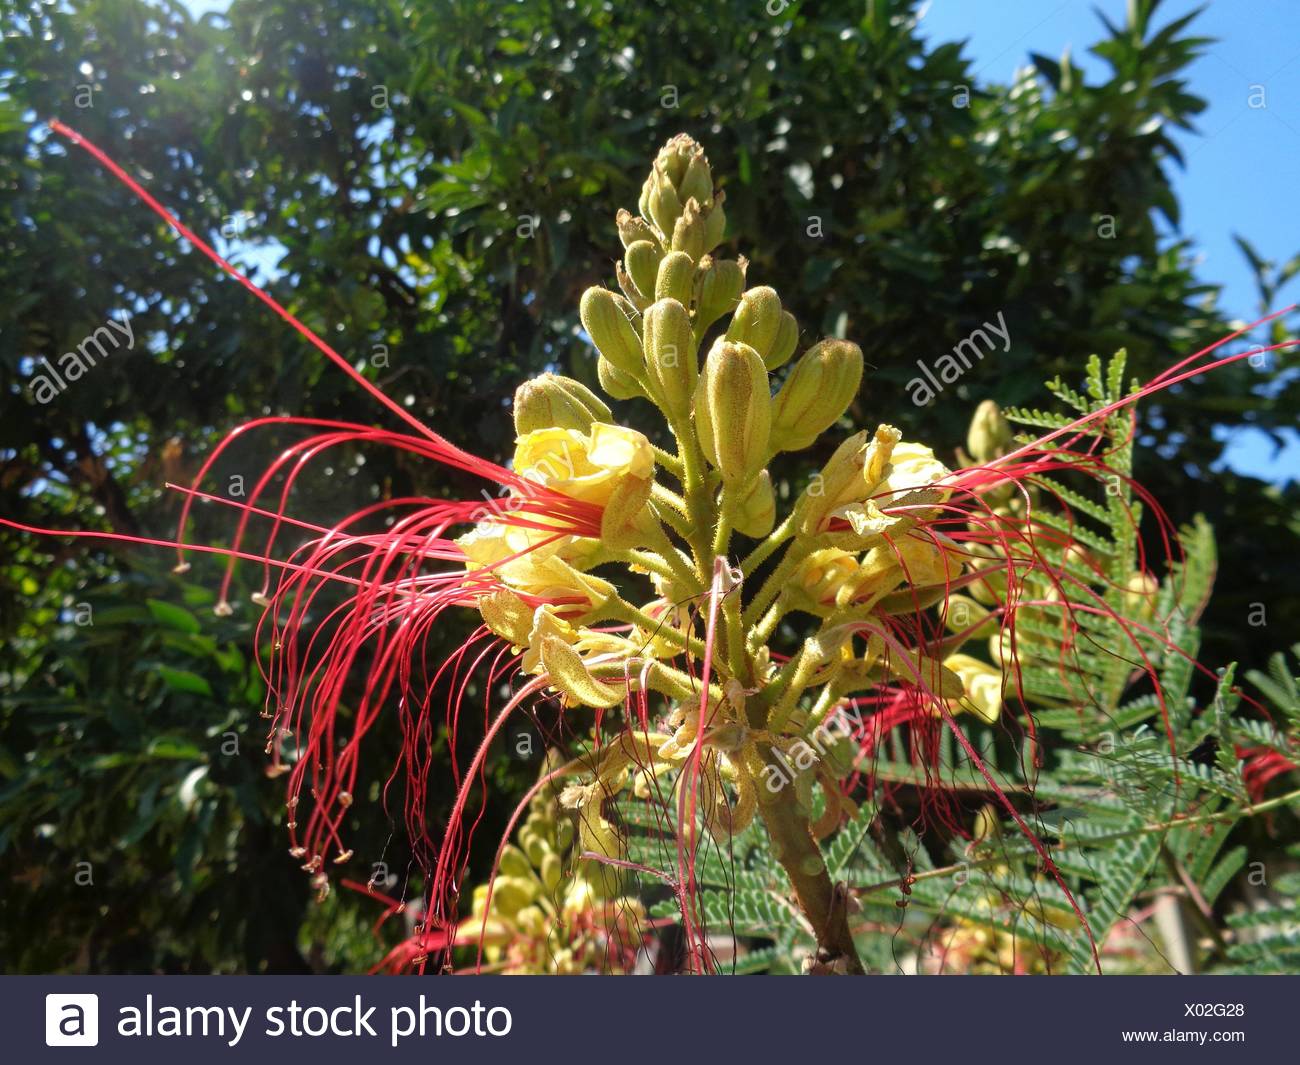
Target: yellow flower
[586,466]
[911,467]
[523,560]
[850,476]
[983,686]
[595,467]
[589,643]
[565,652]
[820,577]
[919,561]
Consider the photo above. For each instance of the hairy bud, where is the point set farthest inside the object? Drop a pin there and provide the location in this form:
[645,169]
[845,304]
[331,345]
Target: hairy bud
[659,200]
[642,261]
[787,339]
[718,286]
[552,401]
[610,330]
[631,229]
[989,435]
[634,295]
[755,512]
[676,279]
[819,389]
[758,322]
[733,410]
[670,356]
[697,181]
[615,382]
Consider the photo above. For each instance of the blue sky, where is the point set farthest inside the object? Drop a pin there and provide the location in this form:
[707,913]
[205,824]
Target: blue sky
[1243,168]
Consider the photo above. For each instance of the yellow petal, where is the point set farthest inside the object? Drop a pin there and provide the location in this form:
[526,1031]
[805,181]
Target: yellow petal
[507,616]
[982,686]
[570,676]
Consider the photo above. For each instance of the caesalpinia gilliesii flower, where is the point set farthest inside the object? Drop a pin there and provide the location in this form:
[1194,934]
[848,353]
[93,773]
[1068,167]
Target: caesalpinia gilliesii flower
[859,549]
[702,613]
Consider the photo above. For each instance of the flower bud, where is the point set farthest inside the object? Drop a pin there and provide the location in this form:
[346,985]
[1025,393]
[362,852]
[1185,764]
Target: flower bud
[676,279]
[689,231]
[614,336]
[1140,595]
[553,401]
[787,339]
[819,389]
[982,684]
[670,356]
[715,224]
[733,410]
[642,260]
[986,823]
[755,513]
[510,895]
[570,676]
[682,165]
[625,522]
[757,320]
[659,200]
[917,561]
[507,615]
[635,296]
[817,582]
[514,863]
[676,155]
[631,229]
[697,182]
[718,286]
[615,382]
[963,614]
[989,435]
[552,871]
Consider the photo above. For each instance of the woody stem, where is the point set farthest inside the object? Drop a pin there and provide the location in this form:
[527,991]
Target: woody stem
[825,906]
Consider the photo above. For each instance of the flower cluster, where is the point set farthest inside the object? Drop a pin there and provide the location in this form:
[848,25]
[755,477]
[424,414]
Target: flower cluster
[730,605]
[663,610]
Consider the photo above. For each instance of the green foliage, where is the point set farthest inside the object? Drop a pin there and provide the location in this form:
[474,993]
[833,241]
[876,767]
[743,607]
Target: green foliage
[1267,939]
[1132,795]
[131,829]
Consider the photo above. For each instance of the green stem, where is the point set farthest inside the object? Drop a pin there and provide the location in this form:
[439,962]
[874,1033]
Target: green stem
[665,568]
[670,510]
[722,533]
[775,582]
[695,491]
[826,701]
[737,655]
[761,632]
[763,551]
[668,461]
[794,685]
[624,611]
[661,678]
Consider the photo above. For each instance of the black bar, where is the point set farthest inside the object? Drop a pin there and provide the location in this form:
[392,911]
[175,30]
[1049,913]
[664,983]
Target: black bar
[546,1019]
